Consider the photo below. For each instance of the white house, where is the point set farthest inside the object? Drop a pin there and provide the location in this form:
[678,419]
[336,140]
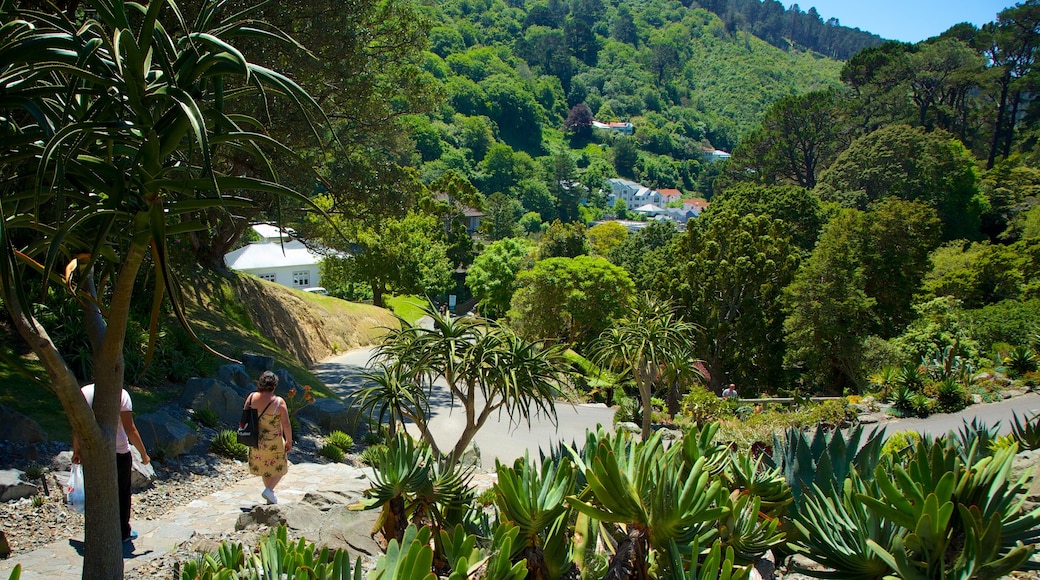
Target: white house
[624,128]
[632,193]
[277,258]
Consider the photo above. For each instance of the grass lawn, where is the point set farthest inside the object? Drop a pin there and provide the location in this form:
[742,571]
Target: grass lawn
[407,307]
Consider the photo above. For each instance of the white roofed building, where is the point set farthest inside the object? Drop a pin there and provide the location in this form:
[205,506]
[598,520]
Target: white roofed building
[277,258]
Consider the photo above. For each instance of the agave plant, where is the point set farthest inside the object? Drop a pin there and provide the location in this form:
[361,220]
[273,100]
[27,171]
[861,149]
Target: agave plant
[1026,431]
[835,530]
[1020,360]
[654,495]
[824,460]
[533,500]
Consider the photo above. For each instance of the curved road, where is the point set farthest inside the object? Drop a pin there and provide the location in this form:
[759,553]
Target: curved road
[500,439]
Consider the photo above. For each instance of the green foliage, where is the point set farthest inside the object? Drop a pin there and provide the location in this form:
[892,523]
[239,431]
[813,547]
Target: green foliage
[373,455]
[492,277]
[570,300]
[206,417]
[950,396]
[901,441]
[727,274]
[956,518]
[332,452]
[562,240]
[532,499]
[225,444]
[341,440]
[911,164]
[823,460]
[702,406]
[1026,431]
[830,310]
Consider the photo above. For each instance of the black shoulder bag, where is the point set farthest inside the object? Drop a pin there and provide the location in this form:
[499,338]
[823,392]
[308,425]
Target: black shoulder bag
[249,425]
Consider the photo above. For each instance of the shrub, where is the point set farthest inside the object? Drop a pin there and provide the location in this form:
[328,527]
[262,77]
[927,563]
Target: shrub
[628,411]
[371,438]
[226,444]
[331,452]
[340,439]
[901,441]
[702,406]
[374,454]
[487,497]
[832,413]
[950,396]
[206,417]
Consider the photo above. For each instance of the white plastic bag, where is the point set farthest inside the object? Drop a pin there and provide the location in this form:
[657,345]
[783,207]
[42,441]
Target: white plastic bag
[74,488]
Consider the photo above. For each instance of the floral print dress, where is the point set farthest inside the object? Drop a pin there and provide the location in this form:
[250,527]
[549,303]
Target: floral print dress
[268,459]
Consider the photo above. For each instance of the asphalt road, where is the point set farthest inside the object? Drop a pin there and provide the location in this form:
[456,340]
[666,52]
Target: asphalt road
[989,414]
[506,441]
[499,438]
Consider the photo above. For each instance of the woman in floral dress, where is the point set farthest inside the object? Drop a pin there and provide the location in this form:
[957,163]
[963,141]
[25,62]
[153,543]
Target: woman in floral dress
[268,459]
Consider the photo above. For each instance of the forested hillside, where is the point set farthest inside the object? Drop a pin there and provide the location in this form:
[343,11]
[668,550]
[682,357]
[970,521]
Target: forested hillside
[783,27]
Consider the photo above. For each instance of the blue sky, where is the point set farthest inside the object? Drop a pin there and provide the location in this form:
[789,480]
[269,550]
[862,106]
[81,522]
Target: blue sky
[906,20]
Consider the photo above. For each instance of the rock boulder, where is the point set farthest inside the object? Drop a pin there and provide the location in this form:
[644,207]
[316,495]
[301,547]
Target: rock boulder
[235,374]
[12,486]
[226,399]
[15,426]
[330,415]
[160,430]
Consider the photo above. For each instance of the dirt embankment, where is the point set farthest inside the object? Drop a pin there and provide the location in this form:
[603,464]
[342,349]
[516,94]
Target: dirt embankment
[310,326]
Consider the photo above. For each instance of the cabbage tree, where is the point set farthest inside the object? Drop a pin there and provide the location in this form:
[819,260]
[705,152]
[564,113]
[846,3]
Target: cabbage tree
[114,128]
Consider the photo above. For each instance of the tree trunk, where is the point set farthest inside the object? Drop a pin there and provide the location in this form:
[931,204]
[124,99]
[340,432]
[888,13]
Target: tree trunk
[998,123]
[377,294]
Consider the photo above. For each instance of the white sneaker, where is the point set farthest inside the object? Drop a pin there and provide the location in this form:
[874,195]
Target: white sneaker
[269,496]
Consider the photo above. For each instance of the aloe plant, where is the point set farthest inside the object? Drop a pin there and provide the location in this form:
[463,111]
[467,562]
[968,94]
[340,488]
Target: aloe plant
[835,530]
[654,495]
[959,521]
[716,565]
[746,530]
[747,474]
[533,500]
[403,472]
[410,558]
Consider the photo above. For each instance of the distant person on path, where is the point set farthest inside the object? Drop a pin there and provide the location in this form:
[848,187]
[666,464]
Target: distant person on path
[730,392]
[268,459]
[126,434]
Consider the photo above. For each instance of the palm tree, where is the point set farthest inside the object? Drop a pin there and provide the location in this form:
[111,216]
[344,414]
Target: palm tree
[486,366]
[393,395]
[114,130]
[643,345]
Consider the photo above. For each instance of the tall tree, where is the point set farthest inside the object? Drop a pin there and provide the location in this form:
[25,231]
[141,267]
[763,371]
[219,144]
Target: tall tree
[799,135]
[1012,45]
[649,338]
[911,164]
[487,369]
[569,300]
[830,311]
[727,275]
[492,277]
[112,128]
[896,240]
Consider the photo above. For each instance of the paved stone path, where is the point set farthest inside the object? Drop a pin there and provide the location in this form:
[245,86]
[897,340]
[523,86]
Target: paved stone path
[216,513]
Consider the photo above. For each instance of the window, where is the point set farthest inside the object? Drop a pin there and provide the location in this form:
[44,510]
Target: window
[301,279]
[268,277]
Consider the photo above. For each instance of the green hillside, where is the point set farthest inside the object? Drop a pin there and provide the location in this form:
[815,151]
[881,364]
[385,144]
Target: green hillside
[512,73]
